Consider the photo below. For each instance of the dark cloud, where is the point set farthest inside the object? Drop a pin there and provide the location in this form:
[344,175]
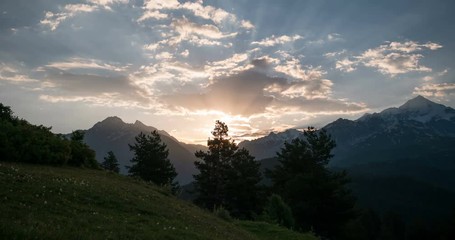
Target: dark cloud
[261,63]
[94,86]
[241,94]
[245,94]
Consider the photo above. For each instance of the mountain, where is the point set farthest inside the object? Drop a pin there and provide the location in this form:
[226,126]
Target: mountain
[419,129]
[112,134]
[413,143]
[413,122]
[268,146]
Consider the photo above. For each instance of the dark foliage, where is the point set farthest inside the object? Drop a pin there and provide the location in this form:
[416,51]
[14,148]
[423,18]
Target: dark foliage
[151,161]
[21,141]
[318,197]
[277,211]
[110,162]
[228,176]
[81,154]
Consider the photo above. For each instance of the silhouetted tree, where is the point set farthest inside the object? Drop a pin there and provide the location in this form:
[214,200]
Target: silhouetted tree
[6,114]
[151,161]
[21,141]
[318,197]
[110,162]
[81,153]
[228,176]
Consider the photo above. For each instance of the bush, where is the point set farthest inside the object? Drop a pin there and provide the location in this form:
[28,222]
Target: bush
[277,211]
[222,213]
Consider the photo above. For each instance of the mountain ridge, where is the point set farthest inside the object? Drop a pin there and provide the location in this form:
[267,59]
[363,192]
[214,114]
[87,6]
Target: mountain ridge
[113,134]
[412,143]
[419,113]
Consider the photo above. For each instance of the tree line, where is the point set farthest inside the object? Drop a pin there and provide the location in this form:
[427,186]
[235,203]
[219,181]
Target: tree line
[21,141]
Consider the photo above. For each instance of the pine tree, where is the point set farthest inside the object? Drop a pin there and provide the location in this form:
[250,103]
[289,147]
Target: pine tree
[150,161]
[110,162]
[318,197]
[228,176]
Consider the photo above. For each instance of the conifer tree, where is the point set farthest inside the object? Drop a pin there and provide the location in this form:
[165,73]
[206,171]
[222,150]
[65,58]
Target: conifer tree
[150,161]
[110,162]
[228,176]
[318,197]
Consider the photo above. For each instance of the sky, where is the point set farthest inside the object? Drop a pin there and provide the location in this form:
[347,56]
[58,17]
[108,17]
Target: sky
[259,66]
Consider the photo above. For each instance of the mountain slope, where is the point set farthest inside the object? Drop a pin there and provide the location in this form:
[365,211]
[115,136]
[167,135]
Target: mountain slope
[413,143]
[417,123]
[42,202]
[112,134]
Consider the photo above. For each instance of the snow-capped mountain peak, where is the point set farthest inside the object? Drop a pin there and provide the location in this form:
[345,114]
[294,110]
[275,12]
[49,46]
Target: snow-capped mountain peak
[417,109]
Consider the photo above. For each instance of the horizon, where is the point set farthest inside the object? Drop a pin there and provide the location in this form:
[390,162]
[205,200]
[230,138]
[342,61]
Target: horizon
[301,128]
[260,67]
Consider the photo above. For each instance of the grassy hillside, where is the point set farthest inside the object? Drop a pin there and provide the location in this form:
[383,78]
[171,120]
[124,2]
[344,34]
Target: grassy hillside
[42,202]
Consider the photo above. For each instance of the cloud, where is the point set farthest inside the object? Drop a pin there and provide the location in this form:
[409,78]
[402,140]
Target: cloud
[154,9]
[152,14]
[241,94]
[273,40]
[164,56]
[228,66]
[13,75]
[98,89]
[335,54]
[293,68]
[391,58]
[434,76]
[185,53]
[82,63]
[52,20]
[106,3]
[251,92]
[334,37]
[318,106]
[438,90]
[246,24]
[217,15]
[187,28]
[184,30]
[346,65]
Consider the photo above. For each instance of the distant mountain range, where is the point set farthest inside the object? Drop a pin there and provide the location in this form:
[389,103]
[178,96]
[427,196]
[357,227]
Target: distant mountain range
[112,134]
[414,122]
[394,157]
[400,159]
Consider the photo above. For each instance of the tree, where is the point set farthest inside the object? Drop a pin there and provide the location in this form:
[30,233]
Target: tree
[277,211]
[318,197]
[110,162]
[150,161]
[6,113]
[81,153]
[228,176]
[21,141]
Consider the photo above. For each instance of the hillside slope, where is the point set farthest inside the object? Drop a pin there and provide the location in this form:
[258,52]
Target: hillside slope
[42,202]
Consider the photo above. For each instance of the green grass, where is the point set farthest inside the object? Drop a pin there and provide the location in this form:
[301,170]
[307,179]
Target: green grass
[267,231]
[43,202]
